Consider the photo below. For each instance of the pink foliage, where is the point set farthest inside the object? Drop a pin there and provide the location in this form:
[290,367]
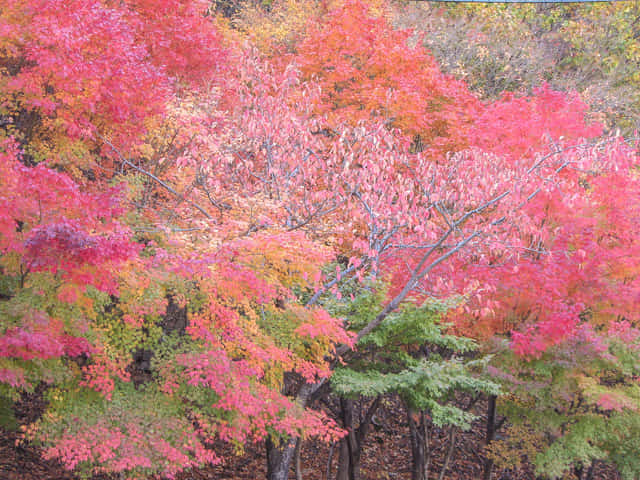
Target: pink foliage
[128,447]
[518,126]
[56,227]
[41,336]
[86,62]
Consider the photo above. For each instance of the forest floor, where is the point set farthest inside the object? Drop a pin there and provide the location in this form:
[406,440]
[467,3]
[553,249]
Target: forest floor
[386,456]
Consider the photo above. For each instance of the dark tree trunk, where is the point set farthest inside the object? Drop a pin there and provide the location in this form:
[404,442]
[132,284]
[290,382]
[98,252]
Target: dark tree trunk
[419,437]
[279,458]
[344,462]
[351,445]
[490,434]
[349,466]
[348,445]
[329,461]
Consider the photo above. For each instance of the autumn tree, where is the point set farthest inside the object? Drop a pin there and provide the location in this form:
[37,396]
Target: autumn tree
[574,406]
[393,226]
[367,69]
[418,239]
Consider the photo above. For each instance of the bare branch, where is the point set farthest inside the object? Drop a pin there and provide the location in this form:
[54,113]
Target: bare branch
[125,161]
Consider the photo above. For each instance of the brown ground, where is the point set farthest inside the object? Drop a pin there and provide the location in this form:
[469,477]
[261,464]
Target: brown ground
[386,457]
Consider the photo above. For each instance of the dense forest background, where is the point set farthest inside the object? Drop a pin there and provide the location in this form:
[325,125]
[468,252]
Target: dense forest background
[358,239]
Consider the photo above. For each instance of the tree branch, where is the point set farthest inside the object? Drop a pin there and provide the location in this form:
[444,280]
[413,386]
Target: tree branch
[125,161]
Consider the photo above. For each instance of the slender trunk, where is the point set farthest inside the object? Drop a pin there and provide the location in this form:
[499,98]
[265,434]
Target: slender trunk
[349,465]
[279,458]
[447,459]
[490,434]
[427,446]
[329,461]
[353,446]
[296,454]
[419,454]
[343,460]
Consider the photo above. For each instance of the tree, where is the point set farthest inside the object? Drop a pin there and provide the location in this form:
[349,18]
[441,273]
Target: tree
[74,69]
[583,282]
[419,239]
[57,242]
[396,240]
[575,405]
[367,69]
[410,355]
[74,317]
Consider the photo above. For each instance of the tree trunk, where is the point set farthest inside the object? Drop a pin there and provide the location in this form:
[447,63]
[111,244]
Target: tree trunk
[279,458]
[351,445]
[347,444]
[447,459]
[490,434]
[296,454]
[344,463]
[427,445]
[418,434]
[329,461]
[349,466]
